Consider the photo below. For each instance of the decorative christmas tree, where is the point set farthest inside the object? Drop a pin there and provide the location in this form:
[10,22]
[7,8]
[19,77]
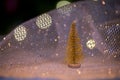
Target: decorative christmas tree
[74,48]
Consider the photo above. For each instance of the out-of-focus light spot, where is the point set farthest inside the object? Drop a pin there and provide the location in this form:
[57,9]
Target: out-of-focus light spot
[55,40]
[106,12]
[116,11]
[115,56]
[4,38]
[74,5]
[58,37]
[35,67]
[101,43]
[64,25]
[9,44]
[78,71]
[2,49]
[117,24]
[106,51]
[103,2]
[92,54]
[90,44]
[56,54]
[109,71]
[62,3]
[20,33]
[43,74]
[44,21]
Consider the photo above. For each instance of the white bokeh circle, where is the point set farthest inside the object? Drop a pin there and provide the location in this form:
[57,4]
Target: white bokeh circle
[44,21]
[90,44]
[20,33]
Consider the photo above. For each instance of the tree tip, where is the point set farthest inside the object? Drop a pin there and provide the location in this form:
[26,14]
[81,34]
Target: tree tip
[74,22]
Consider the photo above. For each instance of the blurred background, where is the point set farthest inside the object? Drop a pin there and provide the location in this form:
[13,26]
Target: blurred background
[15,12]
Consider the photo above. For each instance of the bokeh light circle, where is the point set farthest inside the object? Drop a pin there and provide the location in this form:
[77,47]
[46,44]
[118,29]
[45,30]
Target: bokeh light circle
[44,21]
[62,3]
[20,33]
[64,8]
[90,44]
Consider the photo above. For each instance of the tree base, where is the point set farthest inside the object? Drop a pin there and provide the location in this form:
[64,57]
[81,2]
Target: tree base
[74,65]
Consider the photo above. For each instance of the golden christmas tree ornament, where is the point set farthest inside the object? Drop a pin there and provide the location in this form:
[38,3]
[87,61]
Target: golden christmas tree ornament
[74,49]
